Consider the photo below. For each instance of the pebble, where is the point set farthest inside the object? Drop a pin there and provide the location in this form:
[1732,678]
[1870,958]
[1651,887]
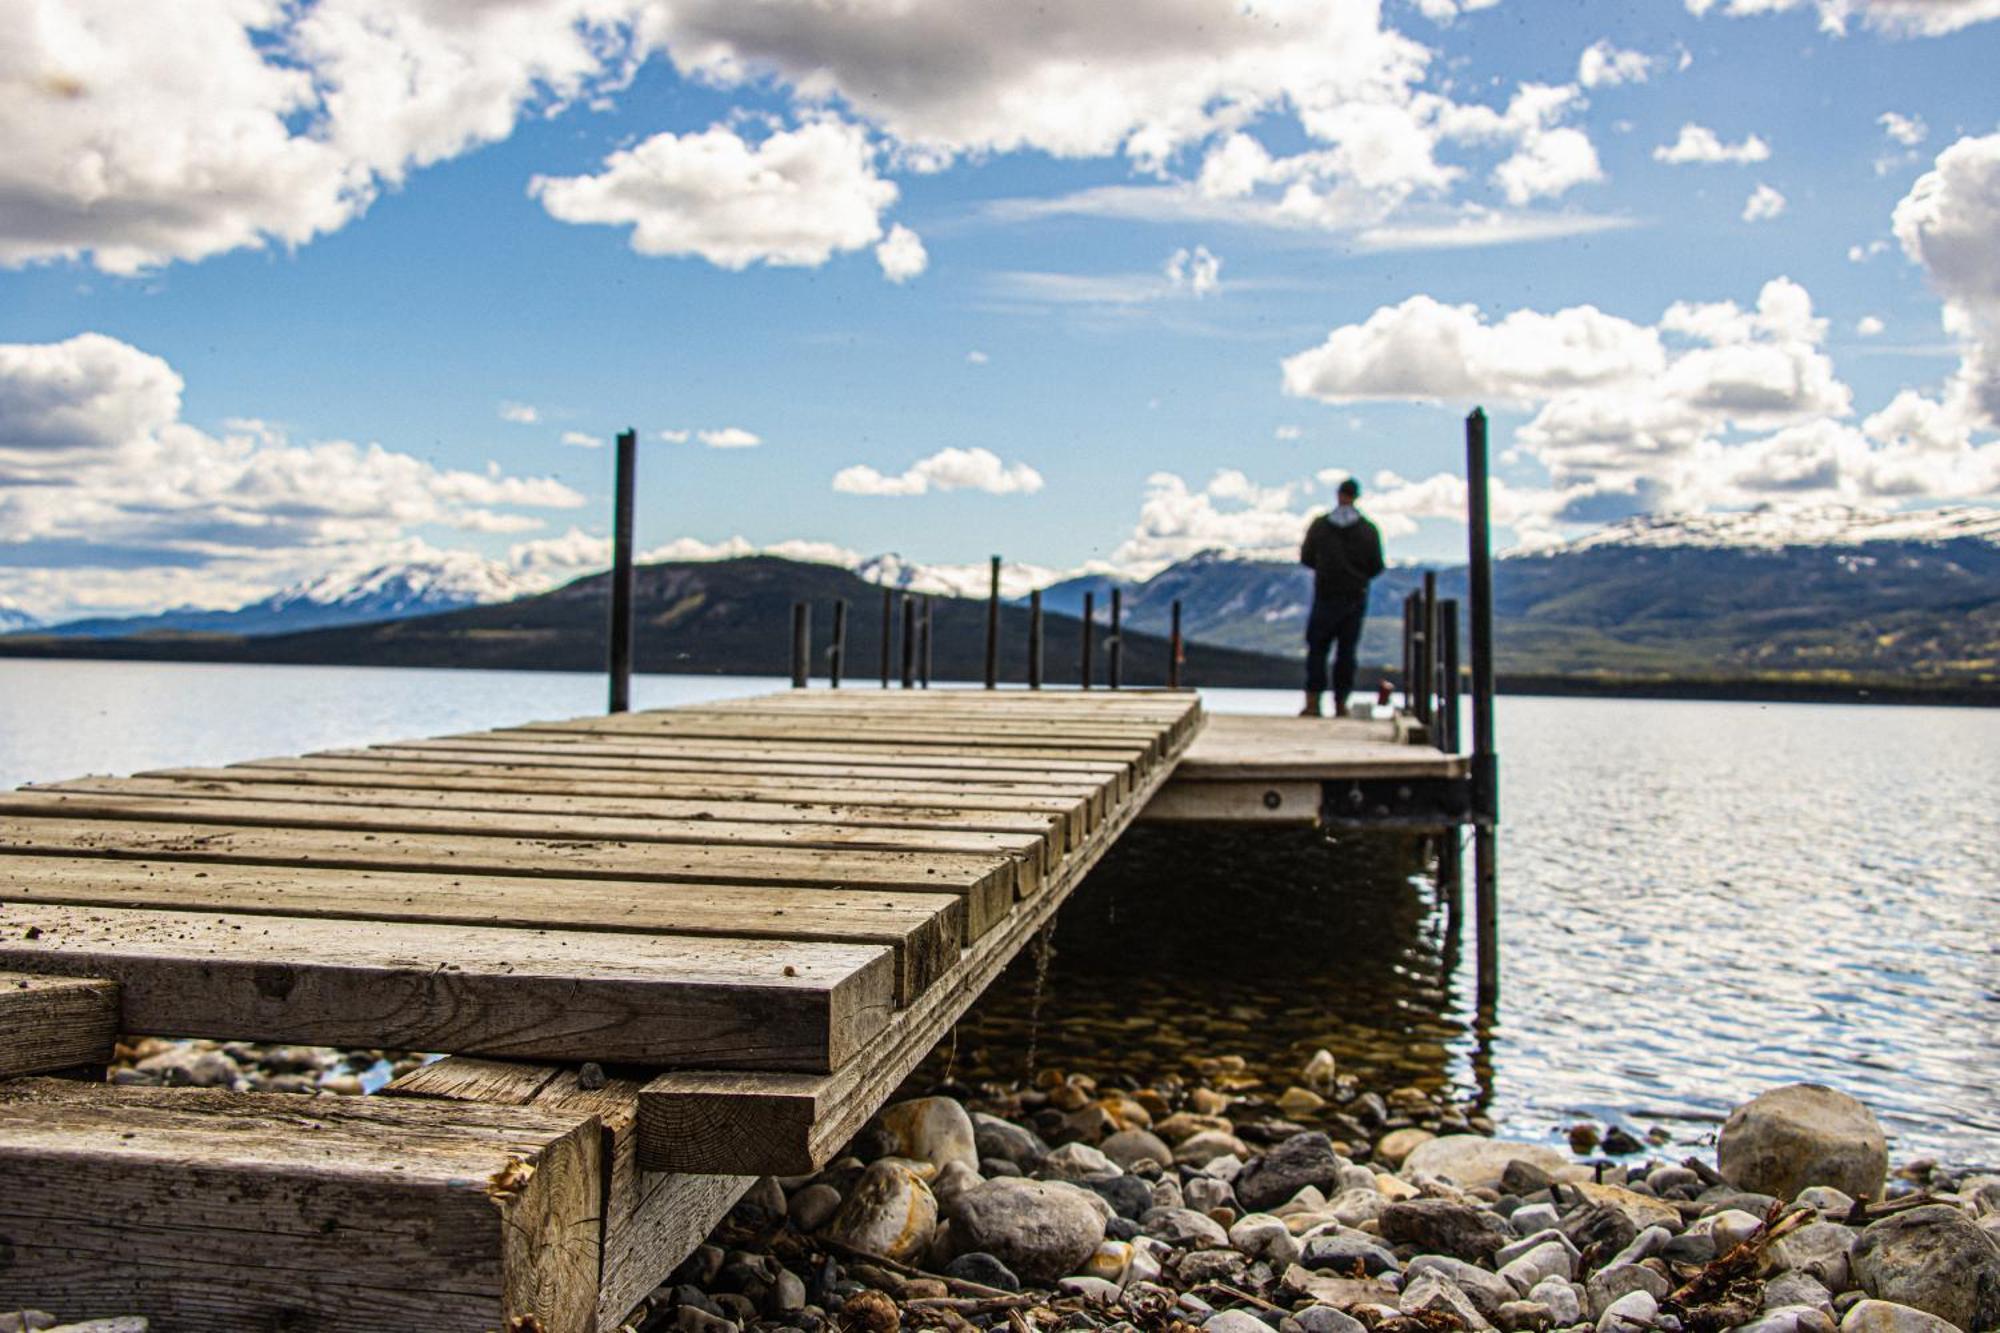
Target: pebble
[1184,1228]
[1872,1316]
[1129,1147]
[1549,1259]
[1234,1321]
[891,1212]
[1042,1230]
[1635,1310]
[931,1129]
[1075,1161]
[987,1271]
[1326,1319]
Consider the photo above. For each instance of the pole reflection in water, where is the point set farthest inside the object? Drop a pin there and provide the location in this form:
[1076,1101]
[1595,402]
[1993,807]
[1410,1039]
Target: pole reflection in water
[1189,947]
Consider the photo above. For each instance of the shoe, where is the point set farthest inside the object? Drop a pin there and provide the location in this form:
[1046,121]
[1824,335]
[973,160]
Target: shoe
[1340,710]
[1311,709]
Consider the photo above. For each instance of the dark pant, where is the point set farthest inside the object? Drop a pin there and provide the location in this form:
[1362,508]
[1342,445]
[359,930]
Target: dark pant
[1335,623]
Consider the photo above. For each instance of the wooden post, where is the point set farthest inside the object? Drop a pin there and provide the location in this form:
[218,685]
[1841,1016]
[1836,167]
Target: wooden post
[1114,642]
[1035,639]
[924,651]
[801,645]
[1485,759]
[1448,731]
[1409,649]
[619,649]
[993,628]
[1089,618]
[836,653]
[888,631]
[1174,650]
[1427,669]
[909,643]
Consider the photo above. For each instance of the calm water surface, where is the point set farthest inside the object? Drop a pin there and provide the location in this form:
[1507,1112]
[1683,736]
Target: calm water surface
[1699,900]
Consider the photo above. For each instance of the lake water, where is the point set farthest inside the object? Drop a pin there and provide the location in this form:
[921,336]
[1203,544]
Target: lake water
[1698,900]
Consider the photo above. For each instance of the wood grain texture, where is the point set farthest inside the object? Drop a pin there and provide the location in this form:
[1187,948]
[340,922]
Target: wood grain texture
[924,929]
[209,1210]
[988,883]
[50,1023]
[703,1121]
[652,1220]
[568,995]
[1243,748]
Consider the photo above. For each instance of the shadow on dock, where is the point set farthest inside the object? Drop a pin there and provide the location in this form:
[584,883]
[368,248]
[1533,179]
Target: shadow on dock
[1189,944]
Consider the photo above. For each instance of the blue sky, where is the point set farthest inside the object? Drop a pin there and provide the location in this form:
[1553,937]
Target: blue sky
[291,290]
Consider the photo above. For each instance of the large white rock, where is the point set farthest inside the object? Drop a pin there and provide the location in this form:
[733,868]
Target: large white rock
[1889,1317]
[888,1212]
[932,1129]
[1473,1160]
[1804,1134]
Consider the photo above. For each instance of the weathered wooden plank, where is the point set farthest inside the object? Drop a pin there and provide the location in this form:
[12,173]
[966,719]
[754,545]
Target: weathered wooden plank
[1257,802]
[652,1220]
[1248,748]
[987,884]
[770,790]
[208,1210]
[924,929]
[860,729]
[49,1023]
[536,994]
[787,1125]
[196,807]
[815,749]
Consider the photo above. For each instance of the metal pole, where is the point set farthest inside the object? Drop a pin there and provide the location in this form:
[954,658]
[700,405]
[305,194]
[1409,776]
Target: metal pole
[993,628]
[1448,706]
[836,653]
[1174,650]
[1035,639]
[1485,760]
[909,642]
[1089,618]
[924,643]
[801,645]
[888,631]
[619,649]
[1115,641]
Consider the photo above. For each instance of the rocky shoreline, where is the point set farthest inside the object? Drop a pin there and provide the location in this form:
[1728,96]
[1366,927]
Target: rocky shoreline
[1202,1203]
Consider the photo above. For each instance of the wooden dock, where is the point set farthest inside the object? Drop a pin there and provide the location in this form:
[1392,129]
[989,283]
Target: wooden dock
[761,914]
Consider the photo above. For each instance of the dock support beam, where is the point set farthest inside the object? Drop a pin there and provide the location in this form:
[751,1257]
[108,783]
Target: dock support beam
[1485,760]
[1089,619]
[924,643]
[888,630]
[836,653]
[1115,642]
[993,628]
[1035,639]
[1174,650]
[801,645]
[909,643]
[620,646]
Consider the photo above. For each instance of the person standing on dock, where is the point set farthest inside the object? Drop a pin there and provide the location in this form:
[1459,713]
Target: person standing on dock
[1344,552]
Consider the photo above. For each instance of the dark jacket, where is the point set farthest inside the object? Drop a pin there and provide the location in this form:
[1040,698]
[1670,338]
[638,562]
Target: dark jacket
[1342,560]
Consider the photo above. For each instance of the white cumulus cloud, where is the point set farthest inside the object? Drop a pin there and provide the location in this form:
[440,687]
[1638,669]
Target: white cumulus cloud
[1868,326]
[1697,144]
[1196,271]
[1603,65]
[1902,18]
[949,469]
[1908,131]
[729,437]
[902,255]
[1764,204]
[522,414]
[582,439]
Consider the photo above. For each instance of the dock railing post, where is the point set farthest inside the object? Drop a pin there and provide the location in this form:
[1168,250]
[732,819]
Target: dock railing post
[836,652]
[993,628]
[1174,650]
[1114,643]
[1485,759]
[619,647]
[1409,651]
[1089,621]
[924,643]
[909,643]
[1035,639]
[801,645]
[1447,737]
[1427,668]
[888,630]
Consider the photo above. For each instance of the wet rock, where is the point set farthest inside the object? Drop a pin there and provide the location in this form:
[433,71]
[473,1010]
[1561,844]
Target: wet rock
[812,1206]
[1440,1226]
[1299,1161]
[994,1137]
[1433,1300]
[1634,1311]
[1486,1290]
[1392,1148]
[1203,1147]
[931,1129]
[1873,1316]
[890,1212]
[1549,1259]
[1804,1134]
[1040,1229]
[1128,1196]
[1074,1161]
[1346,1256]
[987,1271]
[1935,1259]
[1820,1250]
[1262,1236]
[1184,1228]
[1129,1147]
[1605,1288]
[1472,1160]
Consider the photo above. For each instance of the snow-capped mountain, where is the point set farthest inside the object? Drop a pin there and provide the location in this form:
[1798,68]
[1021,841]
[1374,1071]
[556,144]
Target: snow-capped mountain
[1775,527]
[445,582]
[1016,579]
[13,618]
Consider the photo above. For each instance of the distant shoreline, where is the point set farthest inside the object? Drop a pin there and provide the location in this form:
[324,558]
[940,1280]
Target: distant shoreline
[1737,689]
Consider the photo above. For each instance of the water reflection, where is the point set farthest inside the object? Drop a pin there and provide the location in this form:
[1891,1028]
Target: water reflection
[1184,945]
